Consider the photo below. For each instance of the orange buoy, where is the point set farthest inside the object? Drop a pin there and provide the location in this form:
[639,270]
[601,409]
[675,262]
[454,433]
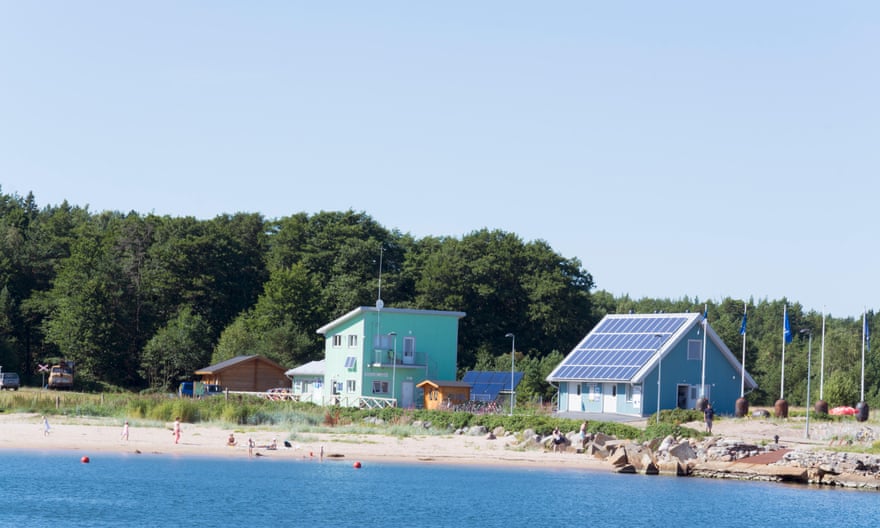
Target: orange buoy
[357,465]
[84,460]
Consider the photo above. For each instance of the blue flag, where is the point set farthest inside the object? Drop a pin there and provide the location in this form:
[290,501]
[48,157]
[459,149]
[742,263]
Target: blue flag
[742,329]
[787,333]
[867,332]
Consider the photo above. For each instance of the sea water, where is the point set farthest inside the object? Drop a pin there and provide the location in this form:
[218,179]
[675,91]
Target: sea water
[58,489]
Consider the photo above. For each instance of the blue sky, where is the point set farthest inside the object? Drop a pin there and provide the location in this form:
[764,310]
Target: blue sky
[676,148]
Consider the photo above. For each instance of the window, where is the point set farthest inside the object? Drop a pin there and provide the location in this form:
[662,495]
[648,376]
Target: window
[337,340]
[350,362]
[380,387]
[298,386]
[350,385]
[695,350]
[383,342]
[409,349]
[352,341]
[633,394]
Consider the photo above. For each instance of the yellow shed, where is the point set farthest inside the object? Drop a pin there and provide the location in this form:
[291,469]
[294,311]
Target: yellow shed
[444,394]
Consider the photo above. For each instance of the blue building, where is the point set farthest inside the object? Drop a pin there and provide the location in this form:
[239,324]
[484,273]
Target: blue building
[629,362]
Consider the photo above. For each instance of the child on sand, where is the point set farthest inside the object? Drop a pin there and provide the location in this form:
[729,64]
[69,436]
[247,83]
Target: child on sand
[45,426]
[124,434]
[176,430]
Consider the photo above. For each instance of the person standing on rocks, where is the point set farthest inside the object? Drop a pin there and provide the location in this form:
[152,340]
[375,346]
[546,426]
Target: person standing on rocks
[709,415]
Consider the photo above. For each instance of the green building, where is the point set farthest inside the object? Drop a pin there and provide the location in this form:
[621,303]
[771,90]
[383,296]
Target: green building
[376,356]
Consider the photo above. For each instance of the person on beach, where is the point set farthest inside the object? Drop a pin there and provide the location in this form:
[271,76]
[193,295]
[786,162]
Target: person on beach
[582,434]
[231,440]
[558,439]
[175,431]
[709,415]
[45,426]
[124,434]
[250,447]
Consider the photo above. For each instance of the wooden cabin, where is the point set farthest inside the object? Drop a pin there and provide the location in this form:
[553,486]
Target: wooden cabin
[444,394]
[246,373]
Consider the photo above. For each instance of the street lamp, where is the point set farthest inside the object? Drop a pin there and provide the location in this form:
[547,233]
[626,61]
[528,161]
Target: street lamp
[659,373]
[393,366]
[512,352]
[809,364]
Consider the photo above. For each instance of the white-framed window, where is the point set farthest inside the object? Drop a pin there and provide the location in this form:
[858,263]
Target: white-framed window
[298,386]
[634,393]
[380,387]
[695,350]
[352,341]
[409,348]
[337,340]
[350,385]
[595,391]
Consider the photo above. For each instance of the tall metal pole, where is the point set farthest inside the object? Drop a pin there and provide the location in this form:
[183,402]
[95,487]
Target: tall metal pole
[512,356]
[822,362]
[659,373]
[742,381]
[785,333]
[705,328]
[809,363]
[394,368]
[864,336]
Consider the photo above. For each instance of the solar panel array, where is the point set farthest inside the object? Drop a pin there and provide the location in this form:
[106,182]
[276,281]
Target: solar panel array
[618,347]
[485,385]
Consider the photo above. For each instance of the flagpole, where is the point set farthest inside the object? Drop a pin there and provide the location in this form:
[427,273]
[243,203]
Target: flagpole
[822,362]
[782,376]
[742,388]
[705,328]
[864,337]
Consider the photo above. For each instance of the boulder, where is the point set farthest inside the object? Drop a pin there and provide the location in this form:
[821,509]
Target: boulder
[617,457]
[682,451]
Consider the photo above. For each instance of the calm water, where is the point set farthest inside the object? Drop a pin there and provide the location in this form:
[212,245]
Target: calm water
[56,489]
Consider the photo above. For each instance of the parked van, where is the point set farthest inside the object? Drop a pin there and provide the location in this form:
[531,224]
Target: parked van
[9,381]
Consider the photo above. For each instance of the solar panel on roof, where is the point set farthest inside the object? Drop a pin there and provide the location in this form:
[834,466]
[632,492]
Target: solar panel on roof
[618,347]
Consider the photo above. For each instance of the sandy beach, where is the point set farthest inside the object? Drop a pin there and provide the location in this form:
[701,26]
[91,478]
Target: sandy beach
[92,436]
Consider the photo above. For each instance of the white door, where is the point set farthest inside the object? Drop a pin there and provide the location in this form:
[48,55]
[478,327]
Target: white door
[406,394]
[575,403]
[609,397]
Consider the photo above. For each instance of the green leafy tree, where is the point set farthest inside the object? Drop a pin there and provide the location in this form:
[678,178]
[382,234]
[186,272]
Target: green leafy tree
[177,350]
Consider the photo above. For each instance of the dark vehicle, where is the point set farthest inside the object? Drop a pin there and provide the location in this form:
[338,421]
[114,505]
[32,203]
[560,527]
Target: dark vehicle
[9,381]
[197,389]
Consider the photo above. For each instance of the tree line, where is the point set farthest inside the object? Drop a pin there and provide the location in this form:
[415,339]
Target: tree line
[140,301]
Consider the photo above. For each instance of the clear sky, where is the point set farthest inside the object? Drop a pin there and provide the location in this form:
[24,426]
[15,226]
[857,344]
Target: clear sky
[681,148]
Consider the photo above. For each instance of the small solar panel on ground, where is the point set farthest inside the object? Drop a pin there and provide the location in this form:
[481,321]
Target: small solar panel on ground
[486,385]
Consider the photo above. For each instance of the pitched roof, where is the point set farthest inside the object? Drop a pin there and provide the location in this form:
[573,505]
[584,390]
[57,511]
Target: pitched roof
[626,347]
[312,368]
[366,309]
[235,361]
[439,383]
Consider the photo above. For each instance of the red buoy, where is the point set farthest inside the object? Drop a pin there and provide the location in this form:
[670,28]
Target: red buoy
[357,465]
[84,460]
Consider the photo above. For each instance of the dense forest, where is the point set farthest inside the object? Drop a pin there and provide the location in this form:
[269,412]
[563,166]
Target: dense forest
[141,301]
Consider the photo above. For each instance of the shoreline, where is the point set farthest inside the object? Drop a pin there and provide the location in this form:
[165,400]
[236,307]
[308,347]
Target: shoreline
[90,436]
